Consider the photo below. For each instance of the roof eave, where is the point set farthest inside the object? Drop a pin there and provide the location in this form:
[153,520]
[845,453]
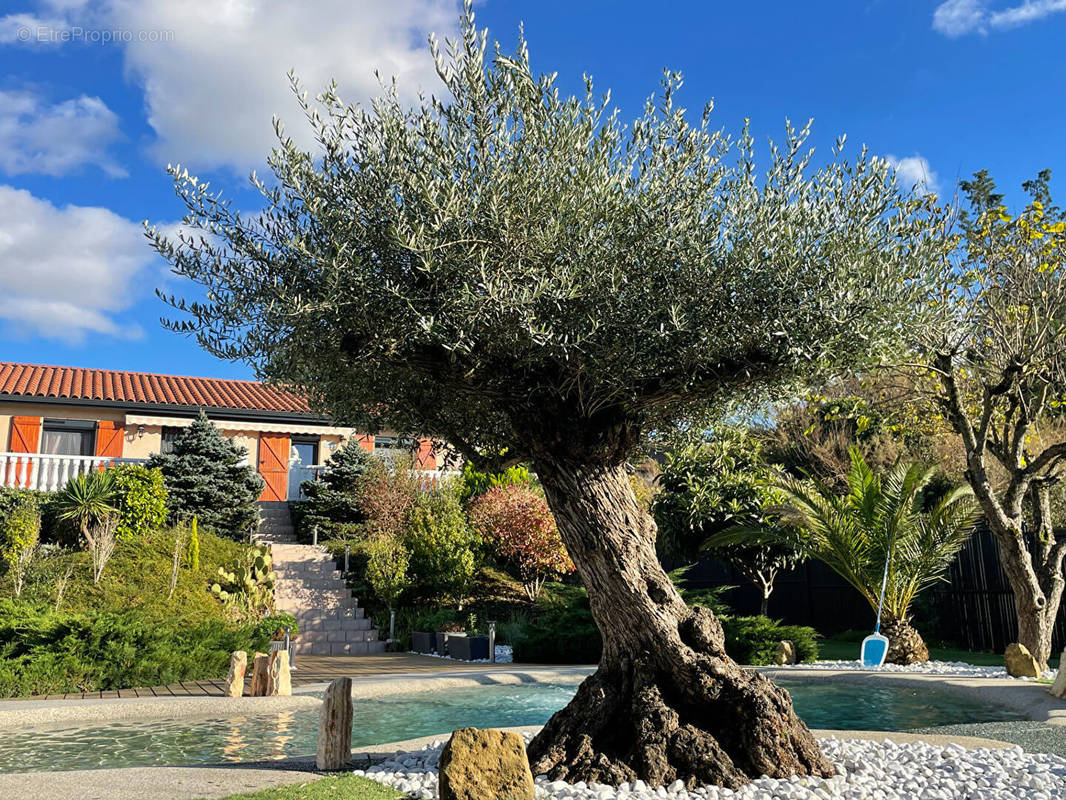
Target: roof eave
[180,410]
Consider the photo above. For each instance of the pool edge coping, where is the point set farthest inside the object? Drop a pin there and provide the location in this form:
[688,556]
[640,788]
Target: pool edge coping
[1026,697]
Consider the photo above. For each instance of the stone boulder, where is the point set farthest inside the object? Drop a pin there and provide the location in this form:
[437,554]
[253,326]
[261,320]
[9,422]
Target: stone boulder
[279,678]
[785,653]
[260,668]
[485,765]
[1020,662]
[238,665]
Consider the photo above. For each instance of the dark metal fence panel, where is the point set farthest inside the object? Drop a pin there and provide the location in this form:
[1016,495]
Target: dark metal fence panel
[973,608]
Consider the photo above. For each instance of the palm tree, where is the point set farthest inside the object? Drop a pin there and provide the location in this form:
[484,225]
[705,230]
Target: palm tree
[88,501]
[879,519]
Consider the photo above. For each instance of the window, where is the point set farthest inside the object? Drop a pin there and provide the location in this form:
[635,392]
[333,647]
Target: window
[68,437]
[304,451]
[167,437]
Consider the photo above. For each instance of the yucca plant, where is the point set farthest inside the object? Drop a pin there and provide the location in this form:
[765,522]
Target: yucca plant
[880,518]
[88,501]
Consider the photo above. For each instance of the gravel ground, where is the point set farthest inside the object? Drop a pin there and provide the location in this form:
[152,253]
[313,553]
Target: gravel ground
[867,770]
[1033,737]
[928,668]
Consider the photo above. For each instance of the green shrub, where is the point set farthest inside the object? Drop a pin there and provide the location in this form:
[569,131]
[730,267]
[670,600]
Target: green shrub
[53,530]
[206,475]
[445,550]
[48,652]
[388,562]
[20,525]
[141,500]
[473,483]
[192,551]
[753,640]
[562,633]
[275,624]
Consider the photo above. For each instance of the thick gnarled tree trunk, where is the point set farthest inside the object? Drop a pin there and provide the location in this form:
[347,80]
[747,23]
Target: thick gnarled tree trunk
[666,702]
[1035,576]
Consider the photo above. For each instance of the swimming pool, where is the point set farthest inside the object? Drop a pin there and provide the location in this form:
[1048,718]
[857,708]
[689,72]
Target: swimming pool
[405,716]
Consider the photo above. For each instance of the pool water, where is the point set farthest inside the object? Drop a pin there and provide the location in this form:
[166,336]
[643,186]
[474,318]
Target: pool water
[396,717]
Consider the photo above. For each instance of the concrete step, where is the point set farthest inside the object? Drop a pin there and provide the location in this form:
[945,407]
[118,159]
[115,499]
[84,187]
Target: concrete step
[339,648]
[366,635]
[287,588]
[303,569]
[316,627]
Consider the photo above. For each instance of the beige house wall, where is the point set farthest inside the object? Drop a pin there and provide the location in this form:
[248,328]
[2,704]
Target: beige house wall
[138,443]
[50,411]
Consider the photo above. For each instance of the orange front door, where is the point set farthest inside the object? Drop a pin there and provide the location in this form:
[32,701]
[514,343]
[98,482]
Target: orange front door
[274,466]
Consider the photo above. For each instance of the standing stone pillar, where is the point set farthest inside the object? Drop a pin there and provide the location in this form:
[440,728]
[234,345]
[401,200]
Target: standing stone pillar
[335,727]
[279,679]
[260,668]
[1058,688]
[238,665]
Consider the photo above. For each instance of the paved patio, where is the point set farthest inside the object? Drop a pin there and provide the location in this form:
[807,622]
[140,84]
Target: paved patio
[309,670]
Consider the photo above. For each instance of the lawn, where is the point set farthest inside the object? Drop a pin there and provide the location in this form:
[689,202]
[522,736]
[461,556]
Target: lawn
[847,649]
[343,787]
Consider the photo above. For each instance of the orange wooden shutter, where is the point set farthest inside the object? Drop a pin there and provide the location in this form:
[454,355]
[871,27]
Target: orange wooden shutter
[25,434]
[109,435]
[274,466]
[425,457]
[366,441]
[25,438]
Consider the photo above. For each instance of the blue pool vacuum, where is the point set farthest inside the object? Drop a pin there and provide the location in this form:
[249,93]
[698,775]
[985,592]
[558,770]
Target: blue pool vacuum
[875,646]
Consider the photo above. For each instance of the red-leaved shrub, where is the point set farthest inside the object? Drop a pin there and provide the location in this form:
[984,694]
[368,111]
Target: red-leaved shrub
[518,524]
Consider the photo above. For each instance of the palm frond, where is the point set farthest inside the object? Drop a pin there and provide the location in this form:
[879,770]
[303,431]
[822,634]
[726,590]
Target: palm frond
[881,518]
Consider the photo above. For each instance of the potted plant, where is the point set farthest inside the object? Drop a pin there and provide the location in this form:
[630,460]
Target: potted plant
[423,642]
[469,648]
[447,632]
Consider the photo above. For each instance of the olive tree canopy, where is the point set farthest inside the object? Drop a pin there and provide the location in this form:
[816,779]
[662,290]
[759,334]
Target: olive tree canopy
[517,271]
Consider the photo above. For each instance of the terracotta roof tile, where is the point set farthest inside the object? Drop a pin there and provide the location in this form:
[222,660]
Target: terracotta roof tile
[77,383]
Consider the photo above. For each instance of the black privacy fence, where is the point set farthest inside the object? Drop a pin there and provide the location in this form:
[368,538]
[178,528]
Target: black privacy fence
[973,608]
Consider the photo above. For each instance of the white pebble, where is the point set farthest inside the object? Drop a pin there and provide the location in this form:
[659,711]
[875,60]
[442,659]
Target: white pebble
[866,771]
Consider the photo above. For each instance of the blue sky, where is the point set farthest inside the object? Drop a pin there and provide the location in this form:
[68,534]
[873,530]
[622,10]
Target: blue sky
[97,96]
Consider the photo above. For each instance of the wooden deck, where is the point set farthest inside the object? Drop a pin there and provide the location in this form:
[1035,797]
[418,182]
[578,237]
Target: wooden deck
[309,670]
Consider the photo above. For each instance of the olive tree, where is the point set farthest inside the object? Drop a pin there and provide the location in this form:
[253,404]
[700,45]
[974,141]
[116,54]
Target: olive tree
[515,271]
[998,363]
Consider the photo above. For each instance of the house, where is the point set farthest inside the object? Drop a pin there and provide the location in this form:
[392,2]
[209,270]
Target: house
[56,422]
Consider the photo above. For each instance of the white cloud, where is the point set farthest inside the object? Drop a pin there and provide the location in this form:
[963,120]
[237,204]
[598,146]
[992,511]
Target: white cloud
[66,272]
[959,17]
[30,29]
[36,137]
[914,172]
[212,87]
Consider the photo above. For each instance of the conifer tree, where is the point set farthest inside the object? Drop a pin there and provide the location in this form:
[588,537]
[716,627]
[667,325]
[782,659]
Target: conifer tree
[334,496]
[208,476]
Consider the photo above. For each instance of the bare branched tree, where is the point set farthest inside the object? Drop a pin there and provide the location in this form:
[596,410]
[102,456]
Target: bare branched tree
[999,359]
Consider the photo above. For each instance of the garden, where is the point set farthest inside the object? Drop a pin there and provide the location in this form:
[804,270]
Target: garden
[483,547]
[655,346]
[127,577]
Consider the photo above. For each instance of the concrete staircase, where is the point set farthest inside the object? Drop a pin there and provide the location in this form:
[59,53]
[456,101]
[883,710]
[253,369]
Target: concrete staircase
[311,588]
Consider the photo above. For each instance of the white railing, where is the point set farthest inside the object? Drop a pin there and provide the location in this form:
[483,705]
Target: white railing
[426,479]
[49,473]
